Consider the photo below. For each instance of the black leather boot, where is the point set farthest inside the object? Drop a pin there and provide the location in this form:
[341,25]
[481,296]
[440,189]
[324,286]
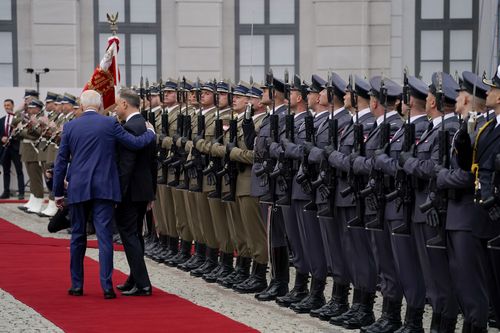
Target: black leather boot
[257,281]
[162,252]
[448,324]
[337,305]
[173,247]
[195,261]
[364,316]
[279,284]
[225,268]
[182,256]
[209,265]
[435,322]
[492,319]
[298,293]
[389,321]
[315,299]
[476,329]
[356,302]
[413,321]
[240,273]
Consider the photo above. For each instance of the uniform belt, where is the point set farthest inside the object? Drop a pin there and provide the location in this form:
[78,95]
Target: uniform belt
[28,141]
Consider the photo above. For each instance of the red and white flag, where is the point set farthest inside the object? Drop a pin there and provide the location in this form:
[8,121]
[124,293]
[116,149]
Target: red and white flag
[107,75]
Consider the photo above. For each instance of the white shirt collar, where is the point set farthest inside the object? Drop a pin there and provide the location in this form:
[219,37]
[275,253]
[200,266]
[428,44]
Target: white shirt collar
[156,108]
[170,109]
[498,120]
[362,112]
[256,116]
[205,111]
[489,113]
[436,121]
[380,119]
[276,107]
[240,115]
[336,112]
[320,113]
[414,118]
[131,115]
[70,113]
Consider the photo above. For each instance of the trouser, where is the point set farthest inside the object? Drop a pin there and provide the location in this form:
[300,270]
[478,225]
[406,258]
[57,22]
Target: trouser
[102,213]
[310,235]
[193,224]
[254,224]
[335,255]
[435,266]
[183,225]
[171,215]
[11,156]
[129,220]
[294,240]
[357,245]
[468,262]
[159,211]
[205,220]
[36,179]
[220,225]
[408,268]
[390,286]
[237,231]
[275,226]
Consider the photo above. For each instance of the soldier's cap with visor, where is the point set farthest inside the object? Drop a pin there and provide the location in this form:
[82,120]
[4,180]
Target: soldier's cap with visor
[495,80]
[51,97]
[222,87]
[418,88]
[154,90]
[36,103]
[59,99]
[68,98]
[338,85]
[317,84]
[31,93]
[209,86]
[169,85]
[296,84]
[394,90]
[255,92]
[361,87]
[241,89]
[450,87]
[278,85]
[467,82]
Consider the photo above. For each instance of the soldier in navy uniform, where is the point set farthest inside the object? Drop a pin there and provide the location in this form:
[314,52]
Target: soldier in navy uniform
[300,290]
[408,271]
[280,274]
[362,270]
[379,240]
[467,225]
[331,228]
[420,165]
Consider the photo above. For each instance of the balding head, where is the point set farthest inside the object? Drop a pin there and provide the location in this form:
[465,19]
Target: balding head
[90,99]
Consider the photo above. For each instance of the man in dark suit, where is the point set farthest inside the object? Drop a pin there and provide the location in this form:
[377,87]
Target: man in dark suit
[9,152]
[89,143]
[137,170]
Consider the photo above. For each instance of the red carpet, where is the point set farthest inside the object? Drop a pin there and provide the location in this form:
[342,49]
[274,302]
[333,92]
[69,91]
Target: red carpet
[10,201]
[35,270]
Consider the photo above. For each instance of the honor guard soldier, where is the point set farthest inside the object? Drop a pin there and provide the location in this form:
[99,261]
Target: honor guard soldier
[299,111]
[253,220]
[270,130]
[29,155]
[331,227]
[354,241]
[399,211]
[440,107]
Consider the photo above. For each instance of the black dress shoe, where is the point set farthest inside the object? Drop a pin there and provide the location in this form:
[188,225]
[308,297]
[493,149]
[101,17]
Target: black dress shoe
[125,287]
[75,291]
[330,310]
[294,296]
[339,320]
[20,196]
[5,195]
[276,289]
[109,294]
[148,291]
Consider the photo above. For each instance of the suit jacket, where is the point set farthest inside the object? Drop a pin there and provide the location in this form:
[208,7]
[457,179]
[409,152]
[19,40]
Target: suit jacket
[137,169]
[422,166]
[341,161]
[14,143]
[88,145]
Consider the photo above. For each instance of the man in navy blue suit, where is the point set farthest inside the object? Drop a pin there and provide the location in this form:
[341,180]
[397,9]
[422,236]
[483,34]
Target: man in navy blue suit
[86,159]
[138,171]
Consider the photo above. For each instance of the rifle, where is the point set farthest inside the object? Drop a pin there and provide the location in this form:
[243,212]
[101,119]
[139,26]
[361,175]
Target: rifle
[269,163]
[356,182]
[230,170]
[374,193]
[284,169]
[494,199]
[327,178]
[186,136]
[308,174]
[403,182]
[162,152]
[198,162]
[174,161]
[215,164]
[437,204]
[144,112]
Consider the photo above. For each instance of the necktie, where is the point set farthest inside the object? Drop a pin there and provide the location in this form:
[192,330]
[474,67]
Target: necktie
[7,125]
[430,126]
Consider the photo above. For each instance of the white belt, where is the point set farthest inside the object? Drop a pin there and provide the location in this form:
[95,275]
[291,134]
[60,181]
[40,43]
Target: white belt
[28,141]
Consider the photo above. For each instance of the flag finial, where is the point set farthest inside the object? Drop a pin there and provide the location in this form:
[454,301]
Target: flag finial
[112,19]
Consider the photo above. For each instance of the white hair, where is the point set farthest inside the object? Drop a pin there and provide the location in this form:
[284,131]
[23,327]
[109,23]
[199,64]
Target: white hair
[90,99]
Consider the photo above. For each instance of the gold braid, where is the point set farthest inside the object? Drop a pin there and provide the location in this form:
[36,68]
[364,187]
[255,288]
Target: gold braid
[475,163]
